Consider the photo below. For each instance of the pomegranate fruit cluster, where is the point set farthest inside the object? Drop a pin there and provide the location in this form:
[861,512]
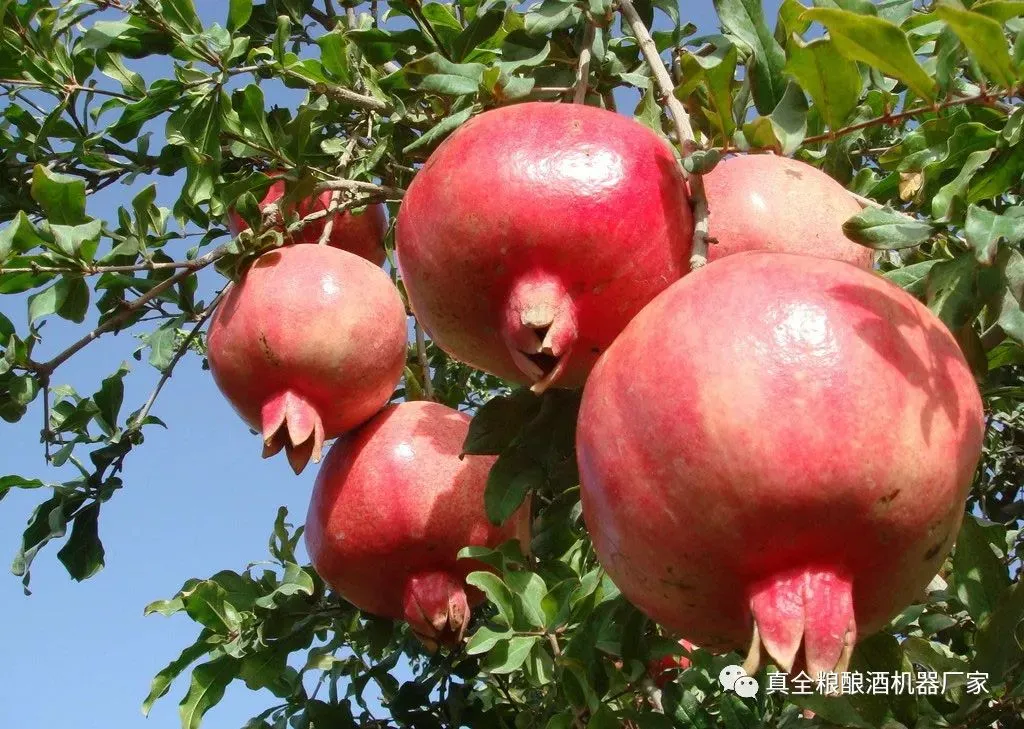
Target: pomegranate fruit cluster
[774,449]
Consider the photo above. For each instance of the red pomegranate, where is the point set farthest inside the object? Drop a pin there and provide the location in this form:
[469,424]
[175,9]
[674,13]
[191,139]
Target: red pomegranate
[392,506]
[362,234]
[308,345]
[764,202]
[776,451]
[535,232]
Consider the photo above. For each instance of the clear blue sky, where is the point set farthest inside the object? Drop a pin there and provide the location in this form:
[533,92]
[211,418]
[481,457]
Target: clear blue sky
[197,499]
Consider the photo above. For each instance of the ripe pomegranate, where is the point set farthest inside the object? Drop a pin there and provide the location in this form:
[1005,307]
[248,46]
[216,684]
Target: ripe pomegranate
[535,232]
[776,451]
[307,345]
[665,669]
[392,506]
[765,202]
[361,234]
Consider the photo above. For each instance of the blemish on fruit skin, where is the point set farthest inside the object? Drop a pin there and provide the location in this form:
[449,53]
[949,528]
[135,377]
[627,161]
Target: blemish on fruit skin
[888,498]
[933,550]
[268,352]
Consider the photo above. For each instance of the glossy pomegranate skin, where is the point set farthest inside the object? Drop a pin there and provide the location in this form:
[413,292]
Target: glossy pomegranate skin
[778,437]
[362,234]
[766,202]
[308,344]
[394,502]
[541,221]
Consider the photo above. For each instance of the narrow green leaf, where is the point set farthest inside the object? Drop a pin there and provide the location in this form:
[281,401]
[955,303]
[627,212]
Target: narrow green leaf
[985,229]
[207,604]
[295,581]
[878,43]
[745,20]
[984,39]
[886,229]
[441,130]
[334,55]
[17,482]
[944,202]
[549,16]
[507,657]
[498,421]
[912,278]
[163,680]
[512,477]
[831,80]
[484,639]
[181,15]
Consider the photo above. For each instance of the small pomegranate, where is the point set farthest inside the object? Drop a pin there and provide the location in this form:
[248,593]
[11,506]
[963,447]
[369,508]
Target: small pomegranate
[775,452]
[764,202]
[392,506]
[665,669]
[307,345]
[362,234]
[536,232]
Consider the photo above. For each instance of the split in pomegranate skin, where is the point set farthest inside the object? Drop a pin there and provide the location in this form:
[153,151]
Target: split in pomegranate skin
[765,202]
[309,344]
[535,232]
[775,454]
[362,234]
[392,507]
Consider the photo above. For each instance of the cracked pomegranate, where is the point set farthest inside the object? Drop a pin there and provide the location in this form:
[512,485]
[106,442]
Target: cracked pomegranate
[536,232]
[392,506]
[775,453]
[764,202]
[362,234]
[307,345]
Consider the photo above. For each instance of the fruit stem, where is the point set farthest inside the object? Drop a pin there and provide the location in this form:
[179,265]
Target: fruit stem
[540,328]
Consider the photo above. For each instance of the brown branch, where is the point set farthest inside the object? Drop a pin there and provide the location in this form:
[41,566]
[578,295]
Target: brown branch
[65,88]
[579,94]
[96,270]
[681,121]
[985,99]
[178,354]
[394,193]
[421,357]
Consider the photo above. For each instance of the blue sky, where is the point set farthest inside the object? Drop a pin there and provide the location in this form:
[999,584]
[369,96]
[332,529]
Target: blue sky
[197,499]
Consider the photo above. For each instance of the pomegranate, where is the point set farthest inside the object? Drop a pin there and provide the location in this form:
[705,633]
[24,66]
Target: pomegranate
[765,202]
[776,451]
[307,345]
[392,506]
[665,669]
[535,232]
[362,234]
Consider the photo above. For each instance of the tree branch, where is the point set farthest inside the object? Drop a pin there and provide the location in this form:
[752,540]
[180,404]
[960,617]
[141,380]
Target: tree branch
[394,193]
[421,356]
[579,94]
[681,121]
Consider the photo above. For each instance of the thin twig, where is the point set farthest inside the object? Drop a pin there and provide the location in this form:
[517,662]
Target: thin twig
[579,94]
[96,270]
[394,193]
[350,17]
[553,642]
[421,356]
[178,354]
[681,121]
[65,88]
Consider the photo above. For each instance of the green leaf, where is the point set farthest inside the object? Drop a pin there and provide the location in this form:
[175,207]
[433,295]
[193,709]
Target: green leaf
[529,590]
[878,43]
[82,554]
[334,55]
[985,229]
[886,229]
[648,111]
[207,604]
[481,29]
[507,657]
[943,203]
[295,581]
[549,16]
[1011,308]
[207,688]
[950,290]
[512,477]
[72,239]
[832,81]
[440,130]
[745,20]
[701,161]
[181,15]
[984,38]
[980,575]
[163,680]
[17,482]
[110,397]
[913,278]
[19,236]
[239,12]
[498,422]
[485,639]
[789,119]
[997,643]
[497,592]
[443,83]
[62,197]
